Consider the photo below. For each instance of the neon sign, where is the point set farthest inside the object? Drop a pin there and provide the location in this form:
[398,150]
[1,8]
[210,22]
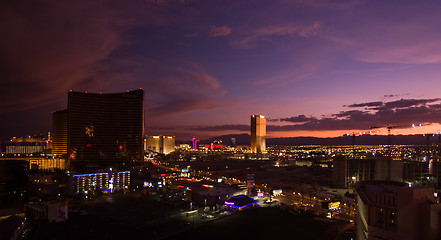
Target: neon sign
[195,143]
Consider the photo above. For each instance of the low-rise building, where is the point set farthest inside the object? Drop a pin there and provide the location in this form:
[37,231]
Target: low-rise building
[52,211]
[240,202]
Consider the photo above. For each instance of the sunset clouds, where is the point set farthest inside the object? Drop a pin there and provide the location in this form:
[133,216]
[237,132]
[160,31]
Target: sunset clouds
[309,65]
[400,113]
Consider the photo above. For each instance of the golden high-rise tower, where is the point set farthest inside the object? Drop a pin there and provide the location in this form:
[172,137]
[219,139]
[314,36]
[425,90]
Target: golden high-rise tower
[258,134]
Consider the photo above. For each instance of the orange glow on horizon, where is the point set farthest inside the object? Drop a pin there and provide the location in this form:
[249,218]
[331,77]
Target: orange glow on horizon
[429,129]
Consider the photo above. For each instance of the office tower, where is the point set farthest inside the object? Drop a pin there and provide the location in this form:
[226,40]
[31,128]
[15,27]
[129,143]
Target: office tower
[160,144]
[258,133]
[59,133]
[105,130]
[393,210]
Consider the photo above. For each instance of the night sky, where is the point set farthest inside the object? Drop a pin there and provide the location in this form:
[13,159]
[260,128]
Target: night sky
[312,67]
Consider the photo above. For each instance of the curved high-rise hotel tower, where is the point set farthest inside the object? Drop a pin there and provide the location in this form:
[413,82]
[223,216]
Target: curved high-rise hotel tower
[105,130]
[59,133]
[258,134]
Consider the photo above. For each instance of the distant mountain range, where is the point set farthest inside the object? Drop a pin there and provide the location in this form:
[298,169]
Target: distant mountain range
[244,139]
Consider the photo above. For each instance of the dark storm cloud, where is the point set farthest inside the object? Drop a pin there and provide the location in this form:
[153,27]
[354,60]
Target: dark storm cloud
[50,47]
[47,48]
[170,89]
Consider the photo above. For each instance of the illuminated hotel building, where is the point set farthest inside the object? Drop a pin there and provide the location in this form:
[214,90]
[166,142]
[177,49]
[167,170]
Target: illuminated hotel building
[24,149]
[26,146]
[47,164]
[160,144]
[258,133]
[108,182]
[38,163]
[168,144]
[105,130]
[59,133]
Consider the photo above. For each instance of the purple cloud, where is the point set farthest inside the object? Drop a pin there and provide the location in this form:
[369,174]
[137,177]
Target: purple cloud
[233,127]
[298,119]
[326,3]
[268,32]
[220,31]
[368,104]
[406,103]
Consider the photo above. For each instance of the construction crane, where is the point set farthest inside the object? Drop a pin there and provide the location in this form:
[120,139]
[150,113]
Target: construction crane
[428,135]
[389,128]
[353,135]
[388,149]
[428,146]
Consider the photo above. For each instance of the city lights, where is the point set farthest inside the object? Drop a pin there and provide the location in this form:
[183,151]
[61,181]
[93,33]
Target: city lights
[161,119]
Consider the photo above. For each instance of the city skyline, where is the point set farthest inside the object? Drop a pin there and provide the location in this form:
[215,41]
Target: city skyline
[313,68]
